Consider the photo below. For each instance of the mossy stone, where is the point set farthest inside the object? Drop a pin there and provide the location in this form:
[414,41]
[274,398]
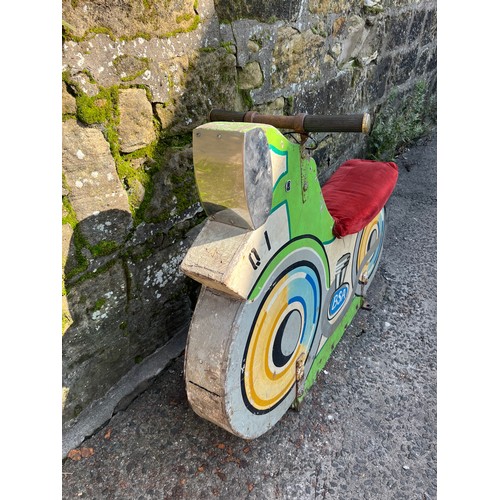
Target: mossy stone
[127,18]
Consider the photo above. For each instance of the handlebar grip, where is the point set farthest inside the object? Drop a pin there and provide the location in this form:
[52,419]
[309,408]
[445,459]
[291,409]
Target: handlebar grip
[338,123]
[300,123]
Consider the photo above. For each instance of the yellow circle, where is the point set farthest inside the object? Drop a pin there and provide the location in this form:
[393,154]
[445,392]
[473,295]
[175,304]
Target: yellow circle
[363,245]
[263,386]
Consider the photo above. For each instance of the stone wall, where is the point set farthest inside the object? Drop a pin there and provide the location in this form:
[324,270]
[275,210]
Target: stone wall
[138,76]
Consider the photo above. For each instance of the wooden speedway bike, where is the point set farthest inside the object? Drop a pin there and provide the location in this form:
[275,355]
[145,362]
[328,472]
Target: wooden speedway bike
[284,263]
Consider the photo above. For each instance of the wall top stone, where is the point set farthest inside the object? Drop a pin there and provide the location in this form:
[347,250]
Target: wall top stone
[128,18]
[133,62]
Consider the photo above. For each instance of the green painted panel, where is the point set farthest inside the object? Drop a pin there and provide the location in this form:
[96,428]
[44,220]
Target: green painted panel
[324,354]
[311,216]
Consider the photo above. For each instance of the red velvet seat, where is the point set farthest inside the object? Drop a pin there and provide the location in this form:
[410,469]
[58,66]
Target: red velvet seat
[356,192]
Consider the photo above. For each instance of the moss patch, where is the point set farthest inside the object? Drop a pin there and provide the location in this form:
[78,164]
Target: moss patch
[79,242]
[195,23]
[98,305]
[183,190]
[229,46]
[88,275]
[158,154]
[69,215]
[103,248]
[96,109]
[401,122]
[246,99]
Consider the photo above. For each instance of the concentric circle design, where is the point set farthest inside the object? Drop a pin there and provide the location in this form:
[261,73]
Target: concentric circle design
[369,240]
[242,355]
[284,327]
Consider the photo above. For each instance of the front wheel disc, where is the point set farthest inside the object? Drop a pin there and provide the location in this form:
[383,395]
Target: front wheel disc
[256,368]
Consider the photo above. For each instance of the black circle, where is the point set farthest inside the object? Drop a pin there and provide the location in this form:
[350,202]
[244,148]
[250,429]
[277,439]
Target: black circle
[280,359]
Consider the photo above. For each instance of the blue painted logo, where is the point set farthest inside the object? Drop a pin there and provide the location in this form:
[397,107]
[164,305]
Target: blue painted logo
[338,300]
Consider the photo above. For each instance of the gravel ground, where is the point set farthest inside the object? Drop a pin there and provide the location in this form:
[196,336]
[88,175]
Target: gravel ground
[367,429]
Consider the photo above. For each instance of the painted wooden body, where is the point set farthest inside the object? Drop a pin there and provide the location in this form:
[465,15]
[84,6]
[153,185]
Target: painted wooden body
[278,288]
